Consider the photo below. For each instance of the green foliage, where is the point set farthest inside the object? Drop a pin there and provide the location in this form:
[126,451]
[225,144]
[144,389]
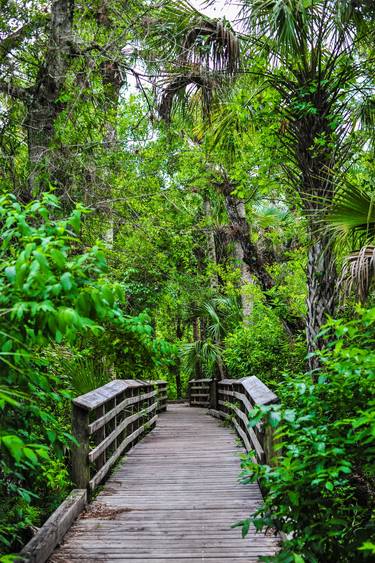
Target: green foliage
[281,137]
[219,315]
[51,294]
[86,374]
[262,348]
[321,490]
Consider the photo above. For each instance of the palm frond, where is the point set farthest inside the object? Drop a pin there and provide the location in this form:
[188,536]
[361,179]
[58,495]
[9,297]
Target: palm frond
[352,217]
[266,216]
[212,44]
[85,374]
[206,354]
[199,53]
[359,272]
[285,22]
[184,86]
[214,328]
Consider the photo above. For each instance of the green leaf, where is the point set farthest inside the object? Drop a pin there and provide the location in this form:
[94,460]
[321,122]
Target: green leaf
[58,257]
[66,281]
[15,446]
[30,454]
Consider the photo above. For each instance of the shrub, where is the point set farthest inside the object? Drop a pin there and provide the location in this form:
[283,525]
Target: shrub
[322,489]
[52,294]
[262,348]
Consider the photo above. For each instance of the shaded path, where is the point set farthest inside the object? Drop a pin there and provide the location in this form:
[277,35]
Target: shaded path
[172,500]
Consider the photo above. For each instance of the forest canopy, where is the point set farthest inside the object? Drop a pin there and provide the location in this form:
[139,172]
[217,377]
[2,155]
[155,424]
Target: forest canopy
[187,191]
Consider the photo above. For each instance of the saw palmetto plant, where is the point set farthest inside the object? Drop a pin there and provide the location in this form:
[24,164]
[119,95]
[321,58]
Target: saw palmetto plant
[351,223]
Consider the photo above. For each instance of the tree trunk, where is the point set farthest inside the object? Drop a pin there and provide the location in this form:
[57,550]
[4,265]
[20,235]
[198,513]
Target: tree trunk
[211,247]
[241,235]
[252,259]
[44,105]
[203,328]
[112,83]
[246,278]
[321,293]
[196,336]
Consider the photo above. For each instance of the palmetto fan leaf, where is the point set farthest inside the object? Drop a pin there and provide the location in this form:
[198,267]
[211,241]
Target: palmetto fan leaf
[351,219]
[289,25]
[352,223]
[359,272]
[283,21]
[186,86]
[206,353]
[205,51]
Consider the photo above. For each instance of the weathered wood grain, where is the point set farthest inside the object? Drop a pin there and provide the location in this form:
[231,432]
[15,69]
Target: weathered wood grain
[173,499]
[52,532]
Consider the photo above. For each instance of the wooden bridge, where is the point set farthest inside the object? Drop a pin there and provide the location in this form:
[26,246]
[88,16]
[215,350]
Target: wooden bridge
[175,495]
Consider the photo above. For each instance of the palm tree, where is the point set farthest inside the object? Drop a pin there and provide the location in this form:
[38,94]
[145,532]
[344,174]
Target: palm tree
[221,314]
[314,63]
[315,56]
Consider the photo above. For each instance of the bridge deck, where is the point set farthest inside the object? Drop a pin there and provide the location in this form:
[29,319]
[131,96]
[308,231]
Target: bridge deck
[172,500]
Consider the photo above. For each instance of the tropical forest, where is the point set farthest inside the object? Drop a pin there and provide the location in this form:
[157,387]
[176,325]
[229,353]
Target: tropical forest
[188,196]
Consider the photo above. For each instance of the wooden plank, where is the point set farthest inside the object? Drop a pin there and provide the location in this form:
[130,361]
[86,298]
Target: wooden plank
[80,450]
[54,529]
[96,398]
[94,426]
[173,499]
[259,393]
[199,404]
[241,397]
[95,453]
[250,434]
[208,381]
[228,381]
[99,476]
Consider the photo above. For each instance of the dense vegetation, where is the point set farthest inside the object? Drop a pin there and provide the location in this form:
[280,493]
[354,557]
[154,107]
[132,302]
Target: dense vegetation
[186,196]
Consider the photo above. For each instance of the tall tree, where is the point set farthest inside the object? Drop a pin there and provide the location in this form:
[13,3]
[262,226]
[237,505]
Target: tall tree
[314,62]
[41,98]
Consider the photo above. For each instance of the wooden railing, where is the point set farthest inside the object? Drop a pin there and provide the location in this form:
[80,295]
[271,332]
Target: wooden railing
[108,421]
[199,392]
[161,387]
[232,399]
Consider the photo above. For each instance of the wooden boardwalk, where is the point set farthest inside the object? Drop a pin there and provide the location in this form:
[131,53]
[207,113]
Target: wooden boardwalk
[173,499]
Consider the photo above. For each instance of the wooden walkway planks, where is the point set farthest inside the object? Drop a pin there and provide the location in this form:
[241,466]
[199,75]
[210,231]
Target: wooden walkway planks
[172,500]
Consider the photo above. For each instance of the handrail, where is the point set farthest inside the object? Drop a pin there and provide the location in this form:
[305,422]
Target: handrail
[109,420]
[199,392]
[162,390]
[232,399]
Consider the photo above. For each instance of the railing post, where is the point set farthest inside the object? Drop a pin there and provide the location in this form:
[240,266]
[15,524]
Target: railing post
[214,394]
[269,444]
[80,461]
